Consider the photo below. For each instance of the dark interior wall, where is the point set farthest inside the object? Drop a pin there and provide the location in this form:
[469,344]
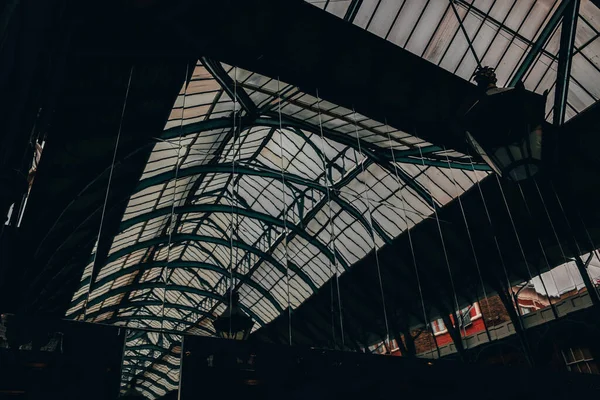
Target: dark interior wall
[83,360]
[280,371]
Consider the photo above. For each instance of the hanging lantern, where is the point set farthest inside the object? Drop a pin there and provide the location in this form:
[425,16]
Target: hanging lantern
[505,127]
[233,323]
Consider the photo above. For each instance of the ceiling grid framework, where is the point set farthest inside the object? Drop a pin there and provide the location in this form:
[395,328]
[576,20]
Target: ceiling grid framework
[175,281]
[201,198]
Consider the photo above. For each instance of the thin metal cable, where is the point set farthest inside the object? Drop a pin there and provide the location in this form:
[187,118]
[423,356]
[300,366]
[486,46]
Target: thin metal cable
[587,233]
[237,191]
[172,219]
[405,217]
[489,218]
[501,258]
[521,247]
[232,194]
[334,267]
[462,210]
[589,237]
[123,351]
[512,222]
[285,231]
[594,247]
[110,175]
[542,247]
[554,232]
[544,255]
[569,222]
[181,355]
[370,221]
[435,213]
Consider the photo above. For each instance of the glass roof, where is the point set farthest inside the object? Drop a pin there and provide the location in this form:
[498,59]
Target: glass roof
[282,191]
[502,32]
[194,177]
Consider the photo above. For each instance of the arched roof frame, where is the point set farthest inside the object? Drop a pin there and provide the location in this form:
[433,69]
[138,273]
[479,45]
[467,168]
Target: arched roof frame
[187,265]
[252,116]
[176,288]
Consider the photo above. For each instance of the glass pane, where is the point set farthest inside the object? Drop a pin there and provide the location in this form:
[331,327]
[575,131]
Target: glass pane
[577,354]
[569,356]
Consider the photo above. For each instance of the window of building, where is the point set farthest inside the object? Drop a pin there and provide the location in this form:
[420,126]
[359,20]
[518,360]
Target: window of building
[378,348]
[464,317]
[525,310]
[579,359]
[438,326]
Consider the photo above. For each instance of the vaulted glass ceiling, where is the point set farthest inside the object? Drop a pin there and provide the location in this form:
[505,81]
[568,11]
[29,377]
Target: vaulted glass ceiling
[279,194]
[503,33]
[294,167]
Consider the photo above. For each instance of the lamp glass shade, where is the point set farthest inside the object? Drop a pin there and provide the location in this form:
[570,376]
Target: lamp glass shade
[505,128]
[233,323]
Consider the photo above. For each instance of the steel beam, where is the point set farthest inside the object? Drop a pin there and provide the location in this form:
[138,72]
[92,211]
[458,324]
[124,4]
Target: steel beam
[352,10]
[233,89]
[225,168]
[443,164]
[272,120]
[539,43]
[565,57]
